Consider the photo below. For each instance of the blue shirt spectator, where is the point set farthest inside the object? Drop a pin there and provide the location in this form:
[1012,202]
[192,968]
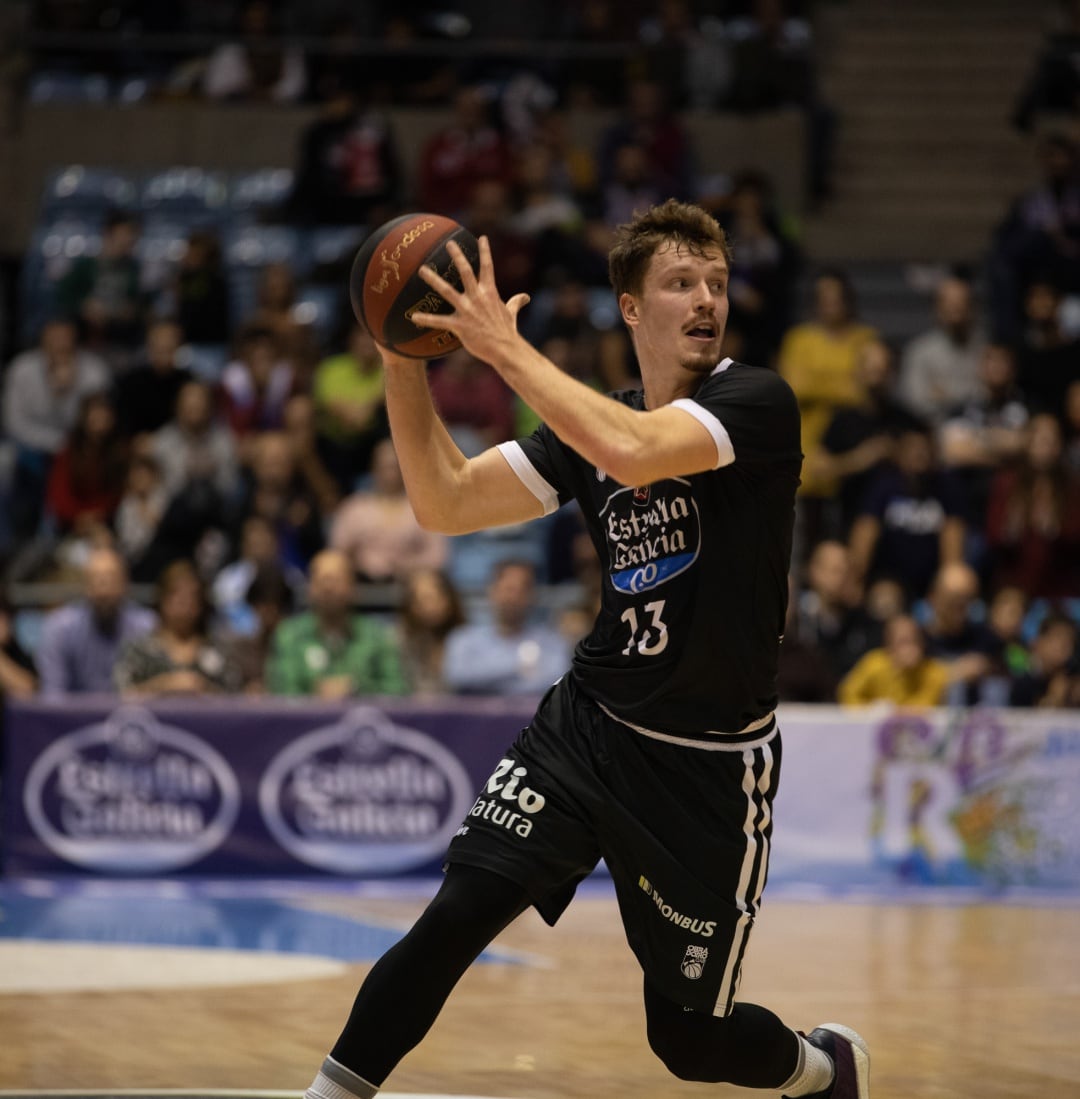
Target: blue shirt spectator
[510,655]
[81,641]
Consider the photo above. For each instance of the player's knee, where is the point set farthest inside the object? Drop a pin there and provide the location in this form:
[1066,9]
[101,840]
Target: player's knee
[682,1051]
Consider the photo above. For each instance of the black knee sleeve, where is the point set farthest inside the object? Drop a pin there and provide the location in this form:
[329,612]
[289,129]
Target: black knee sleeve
[407,987]
[750,1047]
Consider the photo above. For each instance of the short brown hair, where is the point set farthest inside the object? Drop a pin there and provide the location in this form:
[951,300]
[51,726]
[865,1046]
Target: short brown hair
[679,223]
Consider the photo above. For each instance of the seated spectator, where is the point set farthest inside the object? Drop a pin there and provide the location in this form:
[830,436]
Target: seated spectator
[1071,427]
[940,368]
[913,519]
[490,213]
[256,67]
[349,391]
[193,448]
[139,514]
[81,641]
[298,423]
[827,614]
[330,652]
[87,476]
[197,460]
[258,551]
[550,215]
[1005,617]
[18,676]
[1048,359]
[430,610]
[860,438]
[145,396]
[804,673]
[256,384]
[348,170]
[103,291]
[648,123]
[200,290]
[818,359]
[178,657]
[762,282]
[630,187]
[955,635]
[476,405]
[510,655]
[277,491]
[1039,237]
[1052,680]
[275,309]
[1053,86]
[986,432]
[900,672]
[465,152]
[269,599]
[774,66]
[43,391]
[377,530]
[1033,518]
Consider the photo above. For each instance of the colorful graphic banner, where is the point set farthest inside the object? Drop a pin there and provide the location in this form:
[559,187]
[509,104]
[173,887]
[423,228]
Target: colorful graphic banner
[869,800]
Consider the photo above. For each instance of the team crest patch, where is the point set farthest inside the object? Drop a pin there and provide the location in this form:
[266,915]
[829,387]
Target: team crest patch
[694,962]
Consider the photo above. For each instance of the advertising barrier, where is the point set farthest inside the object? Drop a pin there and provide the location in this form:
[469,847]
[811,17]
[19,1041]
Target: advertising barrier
[869,800]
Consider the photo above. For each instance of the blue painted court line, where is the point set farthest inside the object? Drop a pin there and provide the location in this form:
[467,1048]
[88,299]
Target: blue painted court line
[146,918]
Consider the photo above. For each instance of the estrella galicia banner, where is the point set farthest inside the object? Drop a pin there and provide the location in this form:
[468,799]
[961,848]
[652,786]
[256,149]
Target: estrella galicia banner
[871,802]
[247,787]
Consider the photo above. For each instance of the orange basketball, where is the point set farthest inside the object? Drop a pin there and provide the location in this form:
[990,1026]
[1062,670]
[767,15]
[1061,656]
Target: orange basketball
[386,288]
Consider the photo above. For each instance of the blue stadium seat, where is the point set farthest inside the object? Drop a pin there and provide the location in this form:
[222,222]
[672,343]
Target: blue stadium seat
[264,188]
[206,360]
[185,191]
[54,246]
[80,190]
[161,246]
[321,306]
[63,87]
[331,246]
[248,249]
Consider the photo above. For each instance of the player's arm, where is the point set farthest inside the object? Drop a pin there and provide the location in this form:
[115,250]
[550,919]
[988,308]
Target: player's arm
[633,447]
[449,493]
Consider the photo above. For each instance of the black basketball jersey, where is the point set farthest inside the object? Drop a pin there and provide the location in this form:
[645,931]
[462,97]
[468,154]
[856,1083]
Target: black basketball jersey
[695,568]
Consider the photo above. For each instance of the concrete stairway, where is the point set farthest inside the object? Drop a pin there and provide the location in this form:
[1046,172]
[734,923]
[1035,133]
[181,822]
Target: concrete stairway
[926,158]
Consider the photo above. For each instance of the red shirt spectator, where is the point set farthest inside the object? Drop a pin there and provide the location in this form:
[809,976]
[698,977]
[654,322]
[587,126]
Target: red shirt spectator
[1033,518]
[474,402]
[458,157]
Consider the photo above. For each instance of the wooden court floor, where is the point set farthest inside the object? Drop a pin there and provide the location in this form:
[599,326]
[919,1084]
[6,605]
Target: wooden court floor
[980,1001]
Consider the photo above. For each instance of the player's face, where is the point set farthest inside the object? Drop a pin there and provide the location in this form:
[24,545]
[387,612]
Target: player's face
[682,308]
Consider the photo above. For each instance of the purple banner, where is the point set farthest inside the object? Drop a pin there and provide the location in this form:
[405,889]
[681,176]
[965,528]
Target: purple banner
[252,787]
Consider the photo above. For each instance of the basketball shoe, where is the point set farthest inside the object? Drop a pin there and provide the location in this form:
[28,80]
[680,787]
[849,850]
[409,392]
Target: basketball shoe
[851,1059]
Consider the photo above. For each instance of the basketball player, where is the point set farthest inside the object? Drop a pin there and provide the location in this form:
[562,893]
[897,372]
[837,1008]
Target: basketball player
[659,749]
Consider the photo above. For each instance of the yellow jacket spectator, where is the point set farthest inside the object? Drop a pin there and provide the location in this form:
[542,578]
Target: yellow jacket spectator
[899,672]
[818,360]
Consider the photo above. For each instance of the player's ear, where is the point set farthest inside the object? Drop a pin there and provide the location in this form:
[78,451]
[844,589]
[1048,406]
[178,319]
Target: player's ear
[628,308]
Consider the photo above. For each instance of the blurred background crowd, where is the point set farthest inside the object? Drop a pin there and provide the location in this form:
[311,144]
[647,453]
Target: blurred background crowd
[197,488]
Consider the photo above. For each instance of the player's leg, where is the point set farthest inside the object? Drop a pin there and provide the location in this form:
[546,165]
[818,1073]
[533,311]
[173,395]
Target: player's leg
[752,1048]
[406,989]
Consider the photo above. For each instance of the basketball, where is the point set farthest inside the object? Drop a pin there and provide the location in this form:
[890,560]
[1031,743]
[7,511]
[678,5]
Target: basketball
[386,288]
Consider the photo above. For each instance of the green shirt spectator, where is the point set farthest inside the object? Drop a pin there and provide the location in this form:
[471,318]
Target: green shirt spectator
[350,406]
[303,659]
[330,652]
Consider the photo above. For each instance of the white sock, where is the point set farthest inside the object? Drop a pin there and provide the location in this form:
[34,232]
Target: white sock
[335,1081]
[812,1074]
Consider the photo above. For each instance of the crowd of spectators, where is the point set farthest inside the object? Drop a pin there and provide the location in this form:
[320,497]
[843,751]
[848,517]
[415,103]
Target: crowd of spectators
[938,524]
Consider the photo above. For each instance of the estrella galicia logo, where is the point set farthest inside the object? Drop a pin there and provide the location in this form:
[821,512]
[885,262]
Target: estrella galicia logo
[653,533]
[364,796]
[131,794]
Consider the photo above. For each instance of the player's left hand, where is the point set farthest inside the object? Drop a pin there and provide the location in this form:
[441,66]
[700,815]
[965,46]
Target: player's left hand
[485,324]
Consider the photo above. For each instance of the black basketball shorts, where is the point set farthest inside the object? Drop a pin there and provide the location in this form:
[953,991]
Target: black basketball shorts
[683,827]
